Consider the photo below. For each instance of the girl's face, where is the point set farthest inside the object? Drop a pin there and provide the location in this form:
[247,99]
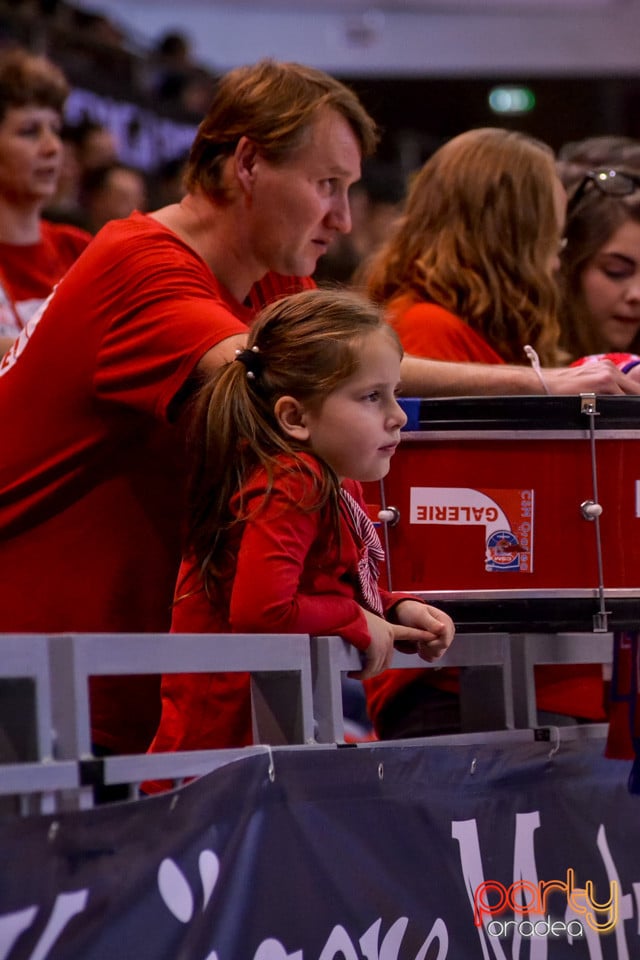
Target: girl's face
[357,428]
[610,286]
[30,154]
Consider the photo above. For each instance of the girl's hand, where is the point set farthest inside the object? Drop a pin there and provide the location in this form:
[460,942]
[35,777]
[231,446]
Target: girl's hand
[431,635]
[378,654]
[436,629]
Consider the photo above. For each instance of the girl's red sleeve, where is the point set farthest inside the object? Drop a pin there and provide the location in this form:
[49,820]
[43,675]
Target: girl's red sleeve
[268,594]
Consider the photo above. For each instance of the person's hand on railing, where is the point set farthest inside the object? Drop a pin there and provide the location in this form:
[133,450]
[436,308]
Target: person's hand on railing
[379,653]
[384,637]
[434,627]
[420,629]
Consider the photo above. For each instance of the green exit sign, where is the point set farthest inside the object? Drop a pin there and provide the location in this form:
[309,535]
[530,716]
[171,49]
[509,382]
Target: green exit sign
[512,100]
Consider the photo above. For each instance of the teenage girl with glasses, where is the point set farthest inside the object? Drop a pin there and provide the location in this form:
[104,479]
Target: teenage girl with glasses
[577,157]
[278,540]
[600,265]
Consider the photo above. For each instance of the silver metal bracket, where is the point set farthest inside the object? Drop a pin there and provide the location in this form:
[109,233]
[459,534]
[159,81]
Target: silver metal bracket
[588,404]
[601,622]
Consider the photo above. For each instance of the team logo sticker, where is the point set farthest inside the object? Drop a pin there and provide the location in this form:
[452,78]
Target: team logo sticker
[507,516]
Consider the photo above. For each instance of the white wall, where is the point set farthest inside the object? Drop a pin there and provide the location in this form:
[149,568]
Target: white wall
[595,36]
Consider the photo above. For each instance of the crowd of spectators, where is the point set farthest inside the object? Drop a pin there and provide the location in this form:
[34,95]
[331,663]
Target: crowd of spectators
[96,53]
[95,50]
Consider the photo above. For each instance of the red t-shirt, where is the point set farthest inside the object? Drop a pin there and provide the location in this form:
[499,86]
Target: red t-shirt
[429,330]
[91,473]
[31,271]
[285,574]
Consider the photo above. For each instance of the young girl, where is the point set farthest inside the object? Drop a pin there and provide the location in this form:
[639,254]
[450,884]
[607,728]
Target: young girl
[278,540]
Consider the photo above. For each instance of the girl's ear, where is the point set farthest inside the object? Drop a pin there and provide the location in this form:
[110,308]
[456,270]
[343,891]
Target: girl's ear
[290,416]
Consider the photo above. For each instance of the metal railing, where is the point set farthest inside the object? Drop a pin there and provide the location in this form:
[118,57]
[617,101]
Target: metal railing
[46,761]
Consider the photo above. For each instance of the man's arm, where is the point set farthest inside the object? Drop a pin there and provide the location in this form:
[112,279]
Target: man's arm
[209,364]
[439,378]
[222,353]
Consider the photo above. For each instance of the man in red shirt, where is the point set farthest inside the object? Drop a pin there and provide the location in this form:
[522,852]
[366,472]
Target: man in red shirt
[91,479]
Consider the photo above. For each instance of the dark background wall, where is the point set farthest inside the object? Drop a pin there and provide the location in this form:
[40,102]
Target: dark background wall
[418,114]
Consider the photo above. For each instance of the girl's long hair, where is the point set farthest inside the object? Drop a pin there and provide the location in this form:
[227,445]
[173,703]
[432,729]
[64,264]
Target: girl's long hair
[589,227]
[308,344]
[477,235]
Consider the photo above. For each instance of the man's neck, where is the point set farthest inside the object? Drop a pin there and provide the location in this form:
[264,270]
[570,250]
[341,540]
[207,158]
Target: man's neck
[214,232]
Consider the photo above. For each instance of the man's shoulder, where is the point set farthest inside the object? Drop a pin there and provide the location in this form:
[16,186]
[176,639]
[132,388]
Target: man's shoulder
[136,228]
[140,246]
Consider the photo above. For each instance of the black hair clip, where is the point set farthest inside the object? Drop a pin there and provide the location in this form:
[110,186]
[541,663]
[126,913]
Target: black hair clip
[251,360]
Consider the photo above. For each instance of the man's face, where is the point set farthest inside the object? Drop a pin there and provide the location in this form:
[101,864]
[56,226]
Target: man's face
[297,207]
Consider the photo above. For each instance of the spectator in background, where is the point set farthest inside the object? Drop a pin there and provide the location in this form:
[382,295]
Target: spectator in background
[383,185]
[579,156]
[166,184]
[87,146]
[64,205]
[177,81]
[97,27]
[170,64]
[96,145]
[196,93]
[468,273]
[112,192]
[34,253]
[600,264]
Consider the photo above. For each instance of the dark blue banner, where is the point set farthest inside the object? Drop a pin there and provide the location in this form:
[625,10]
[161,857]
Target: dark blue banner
[376,853]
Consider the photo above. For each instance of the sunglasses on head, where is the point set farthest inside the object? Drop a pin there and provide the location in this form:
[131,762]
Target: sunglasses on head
[613,183]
